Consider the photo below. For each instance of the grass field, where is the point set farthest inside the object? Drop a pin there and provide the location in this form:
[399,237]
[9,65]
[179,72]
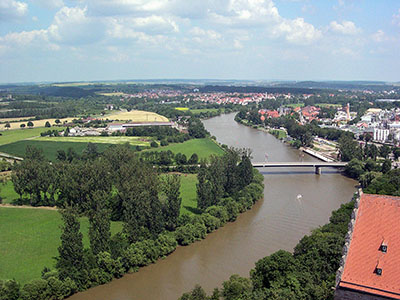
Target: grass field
[203,110]
[7,192]
[36,123]
[112,94]
[29,239]
[12,136]
[280,134]
[202,147]
[49,148]
[132,140]
[188,194]
[136,116]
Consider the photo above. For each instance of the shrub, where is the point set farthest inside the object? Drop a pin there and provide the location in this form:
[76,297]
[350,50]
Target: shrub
[219,212]
[9,290]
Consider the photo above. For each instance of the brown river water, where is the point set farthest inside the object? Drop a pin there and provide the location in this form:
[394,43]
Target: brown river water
[278,221]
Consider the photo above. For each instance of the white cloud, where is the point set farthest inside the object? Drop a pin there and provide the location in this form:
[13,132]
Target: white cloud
[126,7]
[396,18]
[379,36]
[154,24]
[297,31]
[71,25]
[11,9]
[346,27]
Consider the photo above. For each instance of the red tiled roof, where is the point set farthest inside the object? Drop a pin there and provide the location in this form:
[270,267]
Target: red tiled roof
[377,221]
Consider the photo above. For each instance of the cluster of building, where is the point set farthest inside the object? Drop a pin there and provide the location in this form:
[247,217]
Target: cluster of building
[239,98]
[382,125]
[308,114]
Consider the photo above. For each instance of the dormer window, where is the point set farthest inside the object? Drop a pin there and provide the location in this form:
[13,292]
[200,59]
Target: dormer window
[383,247]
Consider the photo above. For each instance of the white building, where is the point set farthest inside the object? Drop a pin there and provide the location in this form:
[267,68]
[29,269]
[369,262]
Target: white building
[380,135]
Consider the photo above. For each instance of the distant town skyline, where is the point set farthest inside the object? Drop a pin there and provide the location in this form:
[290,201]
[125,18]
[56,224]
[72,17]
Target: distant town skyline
[89,40]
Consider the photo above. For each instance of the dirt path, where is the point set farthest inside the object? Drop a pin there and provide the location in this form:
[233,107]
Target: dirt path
[31,207]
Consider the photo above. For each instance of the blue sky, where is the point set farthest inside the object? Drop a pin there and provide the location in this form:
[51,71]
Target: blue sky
[74,40]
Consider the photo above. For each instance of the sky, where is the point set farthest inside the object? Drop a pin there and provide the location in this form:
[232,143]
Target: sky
[87,40]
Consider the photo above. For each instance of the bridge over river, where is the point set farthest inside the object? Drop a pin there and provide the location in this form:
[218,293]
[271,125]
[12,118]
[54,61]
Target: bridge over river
[316,165]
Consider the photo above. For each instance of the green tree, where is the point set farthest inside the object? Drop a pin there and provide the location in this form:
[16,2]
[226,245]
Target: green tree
[30,124]
[99,219]
[355,168]
[386,166]
[57,121]
[70,262]
[396,153]
[245,171]
[171,187]
[22,126]
[384,151]
[7,125]
[237,288]
[203,187]
[348,148]
[142,209]
[47,124]
[194,159]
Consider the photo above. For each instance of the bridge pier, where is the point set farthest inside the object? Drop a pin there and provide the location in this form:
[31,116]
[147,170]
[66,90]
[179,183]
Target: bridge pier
[318,170]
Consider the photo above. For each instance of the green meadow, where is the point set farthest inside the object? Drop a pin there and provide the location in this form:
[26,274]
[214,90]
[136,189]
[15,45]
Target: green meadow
[15,135]
[7,193]
[188,194]
[29,239]
[49,148]
[132,140]
[202,147]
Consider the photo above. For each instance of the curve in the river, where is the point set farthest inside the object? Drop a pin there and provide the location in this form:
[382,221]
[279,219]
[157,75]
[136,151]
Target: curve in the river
[278,221]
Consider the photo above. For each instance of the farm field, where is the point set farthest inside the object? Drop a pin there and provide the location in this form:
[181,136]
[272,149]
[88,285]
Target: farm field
[12,136]
[112,94]
[202,147]
[132,140]
[203,110]
[49,148]
[188,194]
[29,239]
[36,123]
[136,116]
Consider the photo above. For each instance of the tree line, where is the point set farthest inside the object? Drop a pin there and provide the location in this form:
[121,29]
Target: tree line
[117,185]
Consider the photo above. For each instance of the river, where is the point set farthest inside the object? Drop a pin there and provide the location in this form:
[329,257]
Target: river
[278,221]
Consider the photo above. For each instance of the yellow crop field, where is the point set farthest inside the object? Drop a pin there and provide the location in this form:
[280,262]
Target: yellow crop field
[112,94]
[136,116]
[36,123]
[182,108]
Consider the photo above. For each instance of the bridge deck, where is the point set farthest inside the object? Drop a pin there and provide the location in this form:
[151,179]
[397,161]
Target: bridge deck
[298,164]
